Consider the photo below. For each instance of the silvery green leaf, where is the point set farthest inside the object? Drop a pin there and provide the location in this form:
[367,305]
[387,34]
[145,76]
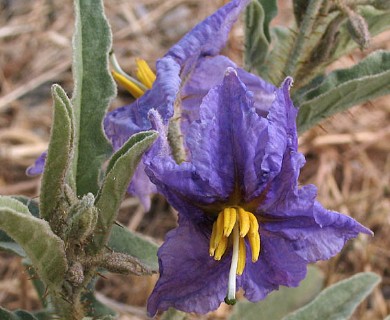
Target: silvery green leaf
[42,246]
[342,89]
[339,301]
[135,245]
[94,88]
[6,242]
[119,173]
[59,155]
[259,13]
[281,302]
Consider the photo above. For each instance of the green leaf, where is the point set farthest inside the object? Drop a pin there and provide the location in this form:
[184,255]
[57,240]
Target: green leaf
[16,315]
[259,14]
[34,235]
[119,173]
[6,242]
[59,154]
[342,89]
[135,245]
[280,303]
[95,308]
[340,300]
[94,88]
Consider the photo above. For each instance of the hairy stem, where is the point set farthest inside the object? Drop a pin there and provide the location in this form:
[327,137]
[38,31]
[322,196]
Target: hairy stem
[175,137]
[304,33]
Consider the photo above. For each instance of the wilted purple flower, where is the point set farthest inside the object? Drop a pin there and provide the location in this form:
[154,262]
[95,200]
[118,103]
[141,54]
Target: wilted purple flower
[243,220]
[185,74]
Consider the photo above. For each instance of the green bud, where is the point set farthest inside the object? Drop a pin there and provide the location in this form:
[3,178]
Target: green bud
[83,220]
[122,263]
[75,274]
[358,29]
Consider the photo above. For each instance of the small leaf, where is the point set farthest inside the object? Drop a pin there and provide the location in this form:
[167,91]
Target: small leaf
[342,89]
[259,14]
[135,245]
[34,235]
[280,303]
[59,155]
[119,173]
[94,88]
[340,300]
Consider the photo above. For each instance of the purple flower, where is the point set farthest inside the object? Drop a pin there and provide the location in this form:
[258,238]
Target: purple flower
[243,220]
[186,73]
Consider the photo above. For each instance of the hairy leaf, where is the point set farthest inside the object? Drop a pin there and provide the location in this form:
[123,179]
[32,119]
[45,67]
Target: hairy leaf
[280,303]
[135,245]
[34,235]
[259,14]
[340,300]
[94,87]
[119,173]
[6,242]
[59,154]
[342,89]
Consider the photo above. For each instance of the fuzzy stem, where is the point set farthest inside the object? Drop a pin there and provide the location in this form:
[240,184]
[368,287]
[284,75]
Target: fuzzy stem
[304,32]
[175,137]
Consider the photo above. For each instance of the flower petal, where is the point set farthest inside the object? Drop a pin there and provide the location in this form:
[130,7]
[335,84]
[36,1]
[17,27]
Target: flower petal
[208,37]
[123,122]
[190,280]
[210,72]
[319,236]
[278,264]
[228,137]
[38,166]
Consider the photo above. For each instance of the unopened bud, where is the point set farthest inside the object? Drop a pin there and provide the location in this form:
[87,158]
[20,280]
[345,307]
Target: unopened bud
[83,220]
[117,262]
[75,274]
[358,29]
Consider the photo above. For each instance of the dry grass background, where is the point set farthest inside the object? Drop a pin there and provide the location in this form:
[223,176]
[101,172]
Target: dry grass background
[347,156]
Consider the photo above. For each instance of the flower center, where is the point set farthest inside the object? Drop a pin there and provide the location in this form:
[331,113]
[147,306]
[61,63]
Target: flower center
[145,76]
[236,224]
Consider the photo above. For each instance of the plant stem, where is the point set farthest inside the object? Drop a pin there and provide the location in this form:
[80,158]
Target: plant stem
[304,32]
[175,137]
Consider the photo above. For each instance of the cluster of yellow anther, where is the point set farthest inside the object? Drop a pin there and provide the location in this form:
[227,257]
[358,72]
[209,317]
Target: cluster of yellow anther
[235,220]
[145,76]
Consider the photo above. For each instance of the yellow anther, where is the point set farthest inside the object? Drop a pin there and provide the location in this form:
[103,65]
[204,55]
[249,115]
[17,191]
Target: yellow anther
[134,89]
[226,220]
[254,241]
[232,221]
[244,222]
[212,239]
[254,225]
[222,245]
[144,73]
[241,257]
[218,233]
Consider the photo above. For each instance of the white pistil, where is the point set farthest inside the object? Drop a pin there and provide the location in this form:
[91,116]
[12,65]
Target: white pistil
[231,293]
